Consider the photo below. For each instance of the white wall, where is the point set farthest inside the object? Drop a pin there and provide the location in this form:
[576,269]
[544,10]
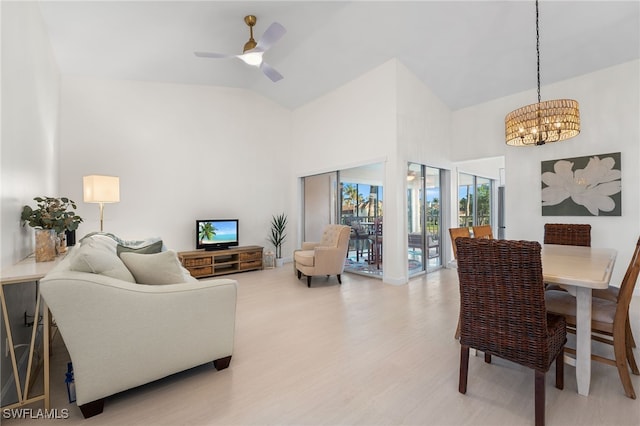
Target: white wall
[609,110]
[387,115]
[182,152]
[30,96]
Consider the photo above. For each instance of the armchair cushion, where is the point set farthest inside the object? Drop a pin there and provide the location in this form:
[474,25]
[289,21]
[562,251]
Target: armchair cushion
[305,257]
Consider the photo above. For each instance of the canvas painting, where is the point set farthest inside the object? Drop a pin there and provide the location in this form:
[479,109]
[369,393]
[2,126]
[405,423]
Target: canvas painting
[582,186]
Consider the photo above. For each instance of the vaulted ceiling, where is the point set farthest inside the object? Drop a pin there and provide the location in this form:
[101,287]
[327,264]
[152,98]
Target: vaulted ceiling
[467,52]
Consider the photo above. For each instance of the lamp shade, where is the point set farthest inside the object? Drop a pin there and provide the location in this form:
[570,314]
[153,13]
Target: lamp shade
[101,189]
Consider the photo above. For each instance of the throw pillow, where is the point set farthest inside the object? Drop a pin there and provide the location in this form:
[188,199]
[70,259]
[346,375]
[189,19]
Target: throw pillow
[148,249]
[157,268]
[95,257]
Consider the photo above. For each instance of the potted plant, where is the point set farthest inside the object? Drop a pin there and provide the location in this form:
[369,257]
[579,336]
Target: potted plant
[278,235]
[51,218]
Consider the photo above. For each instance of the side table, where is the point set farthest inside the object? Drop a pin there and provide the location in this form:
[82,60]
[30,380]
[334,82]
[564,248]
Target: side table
[26,271]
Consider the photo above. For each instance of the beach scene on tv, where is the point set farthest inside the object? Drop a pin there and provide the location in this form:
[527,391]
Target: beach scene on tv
[218,232]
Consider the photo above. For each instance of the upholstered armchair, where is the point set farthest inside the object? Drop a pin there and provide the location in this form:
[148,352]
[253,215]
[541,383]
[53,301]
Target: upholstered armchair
[325,257]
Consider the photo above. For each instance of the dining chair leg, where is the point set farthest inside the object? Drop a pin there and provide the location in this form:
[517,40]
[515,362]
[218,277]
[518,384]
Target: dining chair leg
[464,368]
[630,338]
[539,397]
[560,370]
[620,352]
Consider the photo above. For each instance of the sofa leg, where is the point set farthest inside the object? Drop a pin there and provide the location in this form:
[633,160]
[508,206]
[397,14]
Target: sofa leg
[93,408]
[222,363]
[299,274]
[309,281]
[339,279]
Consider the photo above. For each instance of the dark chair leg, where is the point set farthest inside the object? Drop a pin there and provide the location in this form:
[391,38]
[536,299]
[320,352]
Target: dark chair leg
[464,368]
[309,281]
[299,274]
[560,370]
[93,408]
[487,358]
[222,363]
[339,279]
[539,397]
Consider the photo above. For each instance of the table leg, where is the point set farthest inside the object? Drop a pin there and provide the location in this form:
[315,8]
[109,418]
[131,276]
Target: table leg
[583,339]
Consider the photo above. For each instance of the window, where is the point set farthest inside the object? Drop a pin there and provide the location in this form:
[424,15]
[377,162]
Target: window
[474,200]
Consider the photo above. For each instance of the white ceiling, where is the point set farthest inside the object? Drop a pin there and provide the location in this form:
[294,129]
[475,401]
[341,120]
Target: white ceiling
[467,52]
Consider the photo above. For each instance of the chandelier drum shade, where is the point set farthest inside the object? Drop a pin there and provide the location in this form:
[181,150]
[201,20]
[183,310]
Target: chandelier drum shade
[542,122]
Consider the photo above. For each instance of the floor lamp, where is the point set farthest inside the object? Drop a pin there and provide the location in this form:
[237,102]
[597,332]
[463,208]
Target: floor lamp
[101,190]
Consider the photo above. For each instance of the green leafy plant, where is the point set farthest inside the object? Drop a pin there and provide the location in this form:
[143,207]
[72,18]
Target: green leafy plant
[278,235]
[207,231]
[52,213]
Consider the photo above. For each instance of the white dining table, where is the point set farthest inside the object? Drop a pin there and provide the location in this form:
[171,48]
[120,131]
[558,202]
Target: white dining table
[579,270]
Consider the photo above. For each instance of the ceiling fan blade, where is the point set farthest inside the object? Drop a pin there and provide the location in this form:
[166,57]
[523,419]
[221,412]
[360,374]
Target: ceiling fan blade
[270,37]
[212,55]
[270,72]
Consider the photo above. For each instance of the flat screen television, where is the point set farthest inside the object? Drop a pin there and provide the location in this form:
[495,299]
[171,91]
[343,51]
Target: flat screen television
[216,234]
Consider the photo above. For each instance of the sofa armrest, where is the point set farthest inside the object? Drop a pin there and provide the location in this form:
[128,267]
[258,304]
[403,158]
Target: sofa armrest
[121,335]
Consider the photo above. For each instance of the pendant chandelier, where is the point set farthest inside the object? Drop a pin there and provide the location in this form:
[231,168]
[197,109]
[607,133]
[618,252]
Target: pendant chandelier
[543,122]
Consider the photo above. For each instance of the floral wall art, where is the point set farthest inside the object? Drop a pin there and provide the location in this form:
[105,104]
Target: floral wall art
[582,186]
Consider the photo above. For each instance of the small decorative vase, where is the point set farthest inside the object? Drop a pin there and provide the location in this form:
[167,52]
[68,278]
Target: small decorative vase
[46,240]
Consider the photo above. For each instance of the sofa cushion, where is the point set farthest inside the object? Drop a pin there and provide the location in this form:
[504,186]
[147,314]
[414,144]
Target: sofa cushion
[152,248]
[157,268]
[99,257]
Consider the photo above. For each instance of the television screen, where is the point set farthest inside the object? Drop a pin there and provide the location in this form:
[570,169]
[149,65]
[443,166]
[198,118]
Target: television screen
[214,234]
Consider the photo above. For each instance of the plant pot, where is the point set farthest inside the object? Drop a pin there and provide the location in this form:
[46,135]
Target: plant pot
[46,241]
[279,262]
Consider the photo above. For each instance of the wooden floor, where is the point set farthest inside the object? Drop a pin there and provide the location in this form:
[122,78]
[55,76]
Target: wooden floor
[363,353]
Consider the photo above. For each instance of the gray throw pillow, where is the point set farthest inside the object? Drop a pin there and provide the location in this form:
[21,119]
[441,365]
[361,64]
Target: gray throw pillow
[148,249]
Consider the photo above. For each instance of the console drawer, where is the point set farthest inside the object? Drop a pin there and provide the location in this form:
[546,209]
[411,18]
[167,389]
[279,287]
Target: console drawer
[252,255]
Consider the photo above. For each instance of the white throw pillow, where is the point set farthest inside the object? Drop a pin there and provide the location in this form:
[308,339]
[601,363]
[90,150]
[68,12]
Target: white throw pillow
[157,268]
[96,257]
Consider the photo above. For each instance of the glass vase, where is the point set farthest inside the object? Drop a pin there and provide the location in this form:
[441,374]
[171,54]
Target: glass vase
[46,241]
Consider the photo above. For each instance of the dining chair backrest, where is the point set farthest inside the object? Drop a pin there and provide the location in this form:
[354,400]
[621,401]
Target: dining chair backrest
[482,231]
[456,233]
[628,285]
[502,302]
[568,234]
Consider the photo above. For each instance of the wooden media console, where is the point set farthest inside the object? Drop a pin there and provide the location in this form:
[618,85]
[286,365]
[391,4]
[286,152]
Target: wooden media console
[202,263]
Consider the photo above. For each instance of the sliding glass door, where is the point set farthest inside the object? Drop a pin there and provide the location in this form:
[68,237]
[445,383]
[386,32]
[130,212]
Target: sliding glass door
[423,218]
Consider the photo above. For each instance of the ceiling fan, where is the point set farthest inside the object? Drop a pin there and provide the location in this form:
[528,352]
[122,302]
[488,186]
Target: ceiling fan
[252,52]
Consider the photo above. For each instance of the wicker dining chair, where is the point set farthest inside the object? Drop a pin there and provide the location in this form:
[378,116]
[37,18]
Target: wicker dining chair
[568,234]
[610,322]
[503,311]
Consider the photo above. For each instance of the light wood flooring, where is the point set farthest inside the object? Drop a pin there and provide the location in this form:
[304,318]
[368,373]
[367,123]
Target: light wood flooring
[363,353]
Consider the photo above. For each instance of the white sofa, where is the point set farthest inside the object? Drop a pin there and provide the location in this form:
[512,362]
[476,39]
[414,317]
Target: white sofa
[122,334]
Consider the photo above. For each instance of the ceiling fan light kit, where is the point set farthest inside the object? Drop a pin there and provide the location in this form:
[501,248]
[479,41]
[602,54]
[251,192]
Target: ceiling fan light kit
[542,122]
[252,52]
